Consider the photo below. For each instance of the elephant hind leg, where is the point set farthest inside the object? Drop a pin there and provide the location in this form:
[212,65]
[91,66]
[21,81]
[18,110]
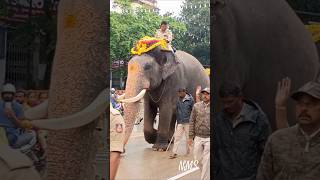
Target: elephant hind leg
[150,134]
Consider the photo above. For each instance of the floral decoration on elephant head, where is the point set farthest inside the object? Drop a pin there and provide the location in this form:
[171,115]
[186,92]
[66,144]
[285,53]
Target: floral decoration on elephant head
[147,43]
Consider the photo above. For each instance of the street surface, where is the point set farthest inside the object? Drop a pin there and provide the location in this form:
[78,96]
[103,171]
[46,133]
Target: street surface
[140,162]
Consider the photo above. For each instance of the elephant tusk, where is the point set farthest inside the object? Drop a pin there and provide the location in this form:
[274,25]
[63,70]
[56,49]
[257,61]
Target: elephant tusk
[38,112]
[134,99]
[81,118]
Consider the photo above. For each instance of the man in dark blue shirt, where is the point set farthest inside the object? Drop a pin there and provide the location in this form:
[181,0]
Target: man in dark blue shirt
[184,107]
[241,131]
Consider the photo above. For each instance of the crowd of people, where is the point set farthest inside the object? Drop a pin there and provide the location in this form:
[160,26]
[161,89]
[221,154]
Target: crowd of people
[13,104]
[245,147]
[193,121]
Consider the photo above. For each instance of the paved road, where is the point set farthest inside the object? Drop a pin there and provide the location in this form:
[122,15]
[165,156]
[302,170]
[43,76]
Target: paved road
[142,163]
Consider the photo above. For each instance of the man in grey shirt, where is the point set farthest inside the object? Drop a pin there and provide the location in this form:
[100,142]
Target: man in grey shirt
[200,133]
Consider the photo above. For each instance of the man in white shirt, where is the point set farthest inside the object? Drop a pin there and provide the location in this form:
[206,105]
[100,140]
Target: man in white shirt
[165,33]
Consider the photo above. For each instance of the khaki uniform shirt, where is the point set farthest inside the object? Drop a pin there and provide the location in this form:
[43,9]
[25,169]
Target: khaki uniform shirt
[165,35]
[15,165]
[289,155]
[25,106]
[117,131]
[200,120]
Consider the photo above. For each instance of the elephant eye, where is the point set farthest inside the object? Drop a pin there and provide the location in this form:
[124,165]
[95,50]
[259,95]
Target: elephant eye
[147,67]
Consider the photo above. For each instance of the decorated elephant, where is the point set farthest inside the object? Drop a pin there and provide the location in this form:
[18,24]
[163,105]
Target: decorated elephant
[77,95]
[156,76]
[257,43]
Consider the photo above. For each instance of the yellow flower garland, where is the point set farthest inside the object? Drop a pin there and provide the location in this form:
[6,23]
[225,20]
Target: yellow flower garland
[315,31]
[148,43]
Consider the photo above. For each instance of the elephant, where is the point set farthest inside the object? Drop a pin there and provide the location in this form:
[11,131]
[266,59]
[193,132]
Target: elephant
[256,44]
[78,93]
[156,76]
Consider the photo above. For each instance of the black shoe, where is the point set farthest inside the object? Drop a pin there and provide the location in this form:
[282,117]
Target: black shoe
[172,156]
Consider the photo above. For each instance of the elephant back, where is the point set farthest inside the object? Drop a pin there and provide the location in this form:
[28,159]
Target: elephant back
[192,71]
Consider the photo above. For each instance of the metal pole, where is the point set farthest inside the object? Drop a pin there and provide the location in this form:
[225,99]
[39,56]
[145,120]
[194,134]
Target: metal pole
[175,130]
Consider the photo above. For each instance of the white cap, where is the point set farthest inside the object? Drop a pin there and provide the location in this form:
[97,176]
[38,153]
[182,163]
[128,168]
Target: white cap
[9,88]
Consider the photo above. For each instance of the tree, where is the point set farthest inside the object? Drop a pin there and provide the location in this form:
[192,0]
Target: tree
[128,26]
[196,15]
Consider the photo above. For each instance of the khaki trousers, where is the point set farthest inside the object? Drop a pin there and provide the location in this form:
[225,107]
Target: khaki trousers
[201,152]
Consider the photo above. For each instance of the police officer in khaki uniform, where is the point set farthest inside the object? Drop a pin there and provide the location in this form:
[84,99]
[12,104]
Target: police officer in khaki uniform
[117,134]
[15,165]
[293,152]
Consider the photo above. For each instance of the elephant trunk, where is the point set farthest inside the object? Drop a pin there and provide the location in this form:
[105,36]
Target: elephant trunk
[79,74]
[135,90]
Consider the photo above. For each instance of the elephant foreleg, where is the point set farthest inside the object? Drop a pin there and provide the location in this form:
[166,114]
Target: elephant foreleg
[165,117]
[150,112]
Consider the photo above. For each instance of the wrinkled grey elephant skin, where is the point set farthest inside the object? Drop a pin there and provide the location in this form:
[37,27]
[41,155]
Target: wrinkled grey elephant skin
[158,72]
[79,74]
[257,43]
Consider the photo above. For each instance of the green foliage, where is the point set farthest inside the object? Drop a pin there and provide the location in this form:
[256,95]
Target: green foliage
[196,15]
[126,29]
[191,31]
[130,26]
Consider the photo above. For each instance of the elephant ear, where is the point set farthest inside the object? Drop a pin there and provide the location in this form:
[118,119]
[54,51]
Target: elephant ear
[170,64]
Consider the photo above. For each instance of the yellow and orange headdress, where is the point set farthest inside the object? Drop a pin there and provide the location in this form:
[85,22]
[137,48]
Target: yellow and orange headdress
[148,43]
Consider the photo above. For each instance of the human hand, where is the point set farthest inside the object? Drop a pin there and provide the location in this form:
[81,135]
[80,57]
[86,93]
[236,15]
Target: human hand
[26,124]
[283,91]
[198,90]
[190,142]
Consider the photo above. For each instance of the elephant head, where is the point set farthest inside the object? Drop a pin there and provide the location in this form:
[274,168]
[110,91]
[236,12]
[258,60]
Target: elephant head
[146,72]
